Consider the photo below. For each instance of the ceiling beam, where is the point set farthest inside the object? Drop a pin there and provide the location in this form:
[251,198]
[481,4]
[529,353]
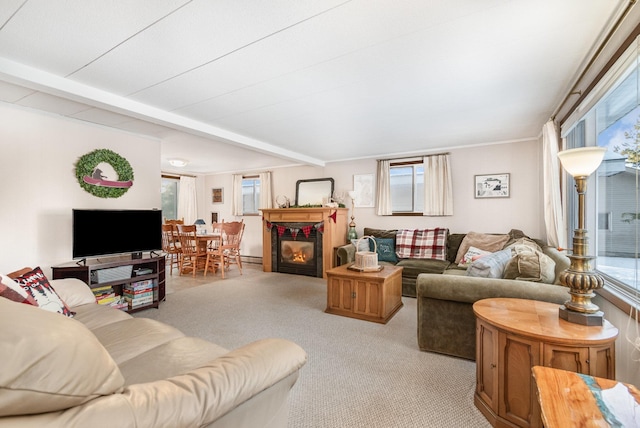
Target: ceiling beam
[52,84]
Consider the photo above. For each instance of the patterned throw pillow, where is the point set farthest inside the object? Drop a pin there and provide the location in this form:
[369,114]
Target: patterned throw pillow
[37,285]
[11,290]
[490,266]
[422,243]
[386,249]
[472,255]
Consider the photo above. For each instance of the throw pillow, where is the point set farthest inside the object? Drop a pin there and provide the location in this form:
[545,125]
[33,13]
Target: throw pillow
[422,243]
[11,290]
[363,244]
[37,285]
[483,241]
[471,255]
[529,264]
[386,249]
[490,266]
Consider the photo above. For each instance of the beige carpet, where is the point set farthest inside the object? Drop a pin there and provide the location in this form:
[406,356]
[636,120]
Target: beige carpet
[359,374]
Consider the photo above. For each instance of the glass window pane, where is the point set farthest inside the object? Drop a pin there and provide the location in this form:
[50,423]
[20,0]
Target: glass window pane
[169,197]
[250,195]
[401,183]
[618,129]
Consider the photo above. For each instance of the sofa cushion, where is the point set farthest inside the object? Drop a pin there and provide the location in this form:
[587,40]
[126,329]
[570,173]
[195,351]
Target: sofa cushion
[413,267]
[483,241]
[529,264]
[361,244]
[36,284]
[422,243]
[386,249]
[453,245]
[380,233]
[9,289]
[73,291]
[490,266]
[50,362]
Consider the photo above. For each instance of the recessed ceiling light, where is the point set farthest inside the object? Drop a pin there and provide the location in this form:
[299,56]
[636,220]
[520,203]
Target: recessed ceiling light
[178,162]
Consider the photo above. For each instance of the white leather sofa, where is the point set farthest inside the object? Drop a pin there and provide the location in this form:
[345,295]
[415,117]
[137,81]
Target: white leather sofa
[104,368]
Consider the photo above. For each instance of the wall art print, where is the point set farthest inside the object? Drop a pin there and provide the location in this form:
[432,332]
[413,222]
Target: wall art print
[492,186]
[104,173]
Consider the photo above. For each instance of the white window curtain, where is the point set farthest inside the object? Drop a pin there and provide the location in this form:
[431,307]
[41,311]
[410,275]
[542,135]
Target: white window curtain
[236,191]
[553,213]
[266,192]
[383,197]
[187,200]
[438,190]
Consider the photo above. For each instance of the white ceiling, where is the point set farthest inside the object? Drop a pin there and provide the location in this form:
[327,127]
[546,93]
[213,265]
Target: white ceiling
[240,85]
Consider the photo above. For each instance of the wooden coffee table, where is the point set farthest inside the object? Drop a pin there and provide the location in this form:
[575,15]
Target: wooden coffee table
[369,296]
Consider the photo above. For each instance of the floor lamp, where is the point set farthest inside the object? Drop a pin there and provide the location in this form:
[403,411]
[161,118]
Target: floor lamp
[579,277]
[352,234]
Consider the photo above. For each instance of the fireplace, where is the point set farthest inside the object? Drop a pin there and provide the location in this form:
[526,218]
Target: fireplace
[299,254]
[329,228]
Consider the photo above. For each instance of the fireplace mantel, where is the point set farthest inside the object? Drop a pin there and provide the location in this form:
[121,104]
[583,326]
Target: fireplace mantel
[334,235]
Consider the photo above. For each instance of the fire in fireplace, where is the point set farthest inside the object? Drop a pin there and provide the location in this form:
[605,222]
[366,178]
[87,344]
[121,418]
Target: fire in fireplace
[301,255]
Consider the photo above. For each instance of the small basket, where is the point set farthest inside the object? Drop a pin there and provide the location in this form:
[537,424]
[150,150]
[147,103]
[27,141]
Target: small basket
[366,259]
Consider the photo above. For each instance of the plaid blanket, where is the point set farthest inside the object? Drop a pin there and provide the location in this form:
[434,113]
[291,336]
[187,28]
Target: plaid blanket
[422,243]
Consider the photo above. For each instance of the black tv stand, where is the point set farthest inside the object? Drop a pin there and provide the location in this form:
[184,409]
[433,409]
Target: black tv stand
[82,262]
[153,268]
[136,255]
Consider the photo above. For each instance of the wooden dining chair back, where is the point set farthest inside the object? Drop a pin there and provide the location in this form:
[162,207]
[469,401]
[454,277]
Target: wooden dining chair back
[193,255]
[215,256]
[174,222]
[232,238]
[171,246]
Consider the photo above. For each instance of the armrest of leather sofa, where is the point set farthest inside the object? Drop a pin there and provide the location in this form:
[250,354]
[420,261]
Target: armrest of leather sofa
[194,399]
[346,254]
[446,322]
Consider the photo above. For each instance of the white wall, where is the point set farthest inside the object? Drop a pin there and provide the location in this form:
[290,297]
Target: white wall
[38,187]
[523,210]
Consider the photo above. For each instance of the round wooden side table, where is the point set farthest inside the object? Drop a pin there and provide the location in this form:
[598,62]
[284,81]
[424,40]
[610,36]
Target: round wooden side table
[512,336]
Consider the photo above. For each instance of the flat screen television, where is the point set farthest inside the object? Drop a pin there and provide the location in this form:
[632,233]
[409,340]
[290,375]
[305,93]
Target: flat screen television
[110,232]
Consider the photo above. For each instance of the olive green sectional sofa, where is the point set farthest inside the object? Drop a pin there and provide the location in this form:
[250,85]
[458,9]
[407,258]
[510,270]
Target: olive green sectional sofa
[446,293]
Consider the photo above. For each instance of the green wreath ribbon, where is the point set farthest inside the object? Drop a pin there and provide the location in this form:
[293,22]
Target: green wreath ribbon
[87,164]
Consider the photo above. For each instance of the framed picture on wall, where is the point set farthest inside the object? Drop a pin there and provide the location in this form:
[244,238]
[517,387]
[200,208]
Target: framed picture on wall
[363,186]
[216,195]
[214,217]
[492,186]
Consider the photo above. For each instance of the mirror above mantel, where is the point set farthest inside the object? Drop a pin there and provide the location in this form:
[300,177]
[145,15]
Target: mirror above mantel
[314,192]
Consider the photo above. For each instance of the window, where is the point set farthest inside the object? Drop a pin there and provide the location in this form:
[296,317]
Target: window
[250,195]
[614,122]
[407,187]
[169,195]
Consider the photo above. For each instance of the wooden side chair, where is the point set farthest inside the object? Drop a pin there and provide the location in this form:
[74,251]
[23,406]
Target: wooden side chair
[174,222]
[215,257]
[193,255]
[171,246]
[232,236]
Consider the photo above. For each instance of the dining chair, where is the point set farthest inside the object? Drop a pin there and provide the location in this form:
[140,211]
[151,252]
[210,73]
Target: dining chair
[175,222]
[232,237]
[171,246]
[215,256]
[193,255]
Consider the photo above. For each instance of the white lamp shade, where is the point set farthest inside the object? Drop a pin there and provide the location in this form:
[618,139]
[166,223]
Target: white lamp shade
[352,194]
[581,162]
